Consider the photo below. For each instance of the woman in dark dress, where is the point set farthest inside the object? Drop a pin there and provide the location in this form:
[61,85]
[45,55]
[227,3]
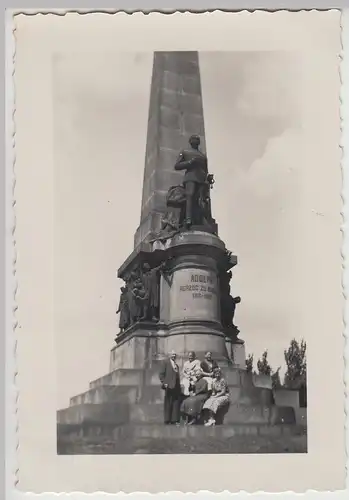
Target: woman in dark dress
[207,366]
[192,406]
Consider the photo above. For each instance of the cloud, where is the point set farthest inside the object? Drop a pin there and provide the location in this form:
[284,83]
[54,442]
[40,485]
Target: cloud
[268,90]
[260,100]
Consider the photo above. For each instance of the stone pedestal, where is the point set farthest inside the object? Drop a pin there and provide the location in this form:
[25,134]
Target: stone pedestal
[194,297]
[189,304]
[237,354]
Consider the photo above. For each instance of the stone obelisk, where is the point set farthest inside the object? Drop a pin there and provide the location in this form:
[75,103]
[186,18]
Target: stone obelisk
[175,113]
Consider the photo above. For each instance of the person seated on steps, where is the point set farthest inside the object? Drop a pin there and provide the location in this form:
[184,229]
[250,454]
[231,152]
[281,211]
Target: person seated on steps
[188,375]
[218,399]
[192,406]
[207,366]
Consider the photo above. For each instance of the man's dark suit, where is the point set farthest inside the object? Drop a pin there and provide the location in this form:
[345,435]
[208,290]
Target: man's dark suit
[170,382]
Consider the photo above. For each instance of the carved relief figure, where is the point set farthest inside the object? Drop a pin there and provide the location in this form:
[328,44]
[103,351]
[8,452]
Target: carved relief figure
[131,283]
[140,299]
[151,281]
[228,306]
[123,309]
[170,226]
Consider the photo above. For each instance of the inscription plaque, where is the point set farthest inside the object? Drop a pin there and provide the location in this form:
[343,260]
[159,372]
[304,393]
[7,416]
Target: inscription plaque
[194,295]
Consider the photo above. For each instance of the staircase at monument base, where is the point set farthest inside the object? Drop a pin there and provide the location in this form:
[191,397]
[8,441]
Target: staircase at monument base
[123,412]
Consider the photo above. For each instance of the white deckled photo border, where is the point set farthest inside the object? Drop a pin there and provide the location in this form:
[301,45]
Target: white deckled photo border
[11,283]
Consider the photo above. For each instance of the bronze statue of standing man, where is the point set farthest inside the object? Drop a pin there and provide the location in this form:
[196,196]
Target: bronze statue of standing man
[194,162]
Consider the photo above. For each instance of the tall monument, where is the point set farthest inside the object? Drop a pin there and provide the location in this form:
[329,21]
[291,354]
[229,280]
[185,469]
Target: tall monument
[176,293]
[179,264]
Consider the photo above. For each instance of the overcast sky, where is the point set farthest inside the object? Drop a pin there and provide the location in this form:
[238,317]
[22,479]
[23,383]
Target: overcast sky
[254,143]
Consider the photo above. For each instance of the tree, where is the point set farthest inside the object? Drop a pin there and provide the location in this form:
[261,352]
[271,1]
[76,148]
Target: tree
[249,363]
[263,365]
[275,379]
[296,363]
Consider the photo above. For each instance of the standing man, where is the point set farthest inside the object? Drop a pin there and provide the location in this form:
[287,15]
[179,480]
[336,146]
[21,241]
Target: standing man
[170,382]
[194,162]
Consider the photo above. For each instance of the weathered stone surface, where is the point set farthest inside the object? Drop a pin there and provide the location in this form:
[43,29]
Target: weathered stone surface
[237,354]
[136,377]
[186,64]
[168,157]
[113,413]
[270,430]
[255,395]
[107,394]
[148,226]
[284,397]
[193,124]
[194,301]
[191,85]
[171,139]
[175,110]
[149,394]
[263,381]
[301,416]
[283,415]
[165,178]
[128,377]
[182,102]
[156,202]
[96,438]
[170,118]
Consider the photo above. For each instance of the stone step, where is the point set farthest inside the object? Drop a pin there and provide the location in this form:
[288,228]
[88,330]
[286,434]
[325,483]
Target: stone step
[97,438]
[235,414]
[121,394]
[247,395]
[124,413]
[301,416]
[108,413]
[128,377]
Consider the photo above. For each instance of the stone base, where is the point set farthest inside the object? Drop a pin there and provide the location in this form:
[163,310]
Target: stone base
[145,344]
[125,394]
[138,347]
[104,439]
[237,354]
[131,401]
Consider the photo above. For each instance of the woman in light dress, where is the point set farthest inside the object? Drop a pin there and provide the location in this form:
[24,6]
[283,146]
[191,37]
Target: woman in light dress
[188,375]
[207,366]
[218,398]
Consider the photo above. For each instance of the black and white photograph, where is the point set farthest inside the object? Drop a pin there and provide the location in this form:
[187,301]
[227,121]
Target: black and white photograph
[187,201]
[187,373]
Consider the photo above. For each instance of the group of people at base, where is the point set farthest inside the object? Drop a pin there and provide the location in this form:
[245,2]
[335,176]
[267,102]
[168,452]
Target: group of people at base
[196,395]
